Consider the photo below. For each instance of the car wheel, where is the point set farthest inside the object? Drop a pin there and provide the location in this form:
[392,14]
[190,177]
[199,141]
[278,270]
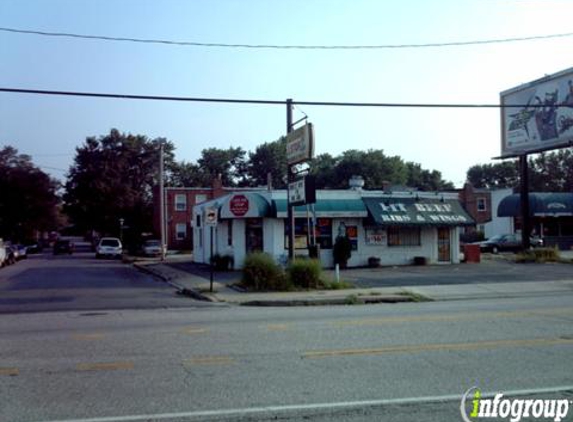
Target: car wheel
[495,249]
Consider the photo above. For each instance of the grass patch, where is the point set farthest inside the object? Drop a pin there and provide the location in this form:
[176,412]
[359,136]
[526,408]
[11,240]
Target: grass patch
[415,297]
[352,300]
[538,255]
[328,284]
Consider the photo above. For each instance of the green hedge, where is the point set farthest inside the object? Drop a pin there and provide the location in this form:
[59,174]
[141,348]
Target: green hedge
[305,273]
[261,272]
[539,255]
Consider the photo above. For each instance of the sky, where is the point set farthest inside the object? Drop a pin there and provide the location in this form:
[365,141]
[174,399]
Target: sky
[50,128]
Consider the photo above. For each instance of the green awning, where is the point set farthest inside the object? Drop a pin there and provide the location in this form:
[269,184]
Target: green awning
[332,208]
[541,204]
[416,212]
[244,205]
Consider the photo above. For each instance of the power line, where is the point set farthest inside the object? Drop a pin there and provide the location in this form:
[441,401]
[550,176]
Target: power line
[262,102]
[284,47]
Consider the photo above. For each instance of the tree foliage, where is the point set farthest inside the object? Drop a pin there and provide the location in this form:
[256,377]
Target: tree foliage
[548,172]
[28,197]
[113,177]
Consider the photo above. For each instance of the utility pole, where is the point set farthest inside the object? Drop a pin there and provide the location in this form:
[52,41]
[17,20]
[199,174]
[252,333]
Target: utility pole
[290,178]
[524,201]
[161,203]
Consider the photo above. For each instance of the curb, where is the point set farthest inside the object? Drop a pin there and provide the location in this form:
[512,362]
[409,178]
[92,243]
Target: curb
[173,283]
[349,300]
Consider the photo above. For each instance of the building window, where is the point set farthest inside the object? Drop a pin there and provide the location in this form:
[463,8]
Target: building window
[180,202]
[180,231]
[323,233]
[481,205]
[200,197]
[404,236]
[230,233]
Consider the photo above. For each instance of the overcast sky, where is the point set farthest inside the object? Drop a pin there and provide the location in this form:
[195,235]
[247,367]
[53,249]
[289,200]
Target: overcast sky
[448,140]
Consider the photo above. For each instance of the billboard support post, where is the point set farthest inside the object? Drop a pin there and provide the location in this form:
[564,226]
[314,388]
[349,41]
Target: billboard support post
[524,201]
[290,178]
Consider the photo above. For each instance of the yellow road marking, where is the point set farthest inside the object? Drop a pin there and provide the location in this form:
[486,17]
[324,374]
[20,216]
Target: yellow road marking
[9,371]
[107,366]
[92,336]
[278,327]
[209,360]
[452,317]
[438,347]
[193,330]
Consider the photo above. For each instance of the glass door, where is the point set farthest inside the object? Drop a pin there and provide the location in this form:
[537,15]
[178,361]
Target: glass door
[444,252]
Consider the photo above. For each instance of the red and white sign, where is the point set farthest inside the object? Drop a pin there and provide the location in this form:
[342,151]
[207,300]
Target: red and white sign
[239,205]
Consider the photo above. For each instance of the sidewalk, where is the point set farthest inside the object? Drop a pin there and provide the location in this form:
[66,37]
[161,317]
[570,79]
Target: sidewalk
[197,285]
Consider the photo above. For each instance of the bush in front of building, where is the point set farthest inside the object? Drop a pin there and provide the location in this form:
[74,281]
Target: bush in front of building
[261,272]
[305,273]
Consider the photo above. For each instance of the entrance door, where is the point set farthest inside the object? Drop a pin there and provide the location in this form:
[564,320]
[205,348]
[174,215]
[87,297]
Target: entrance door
[254,235]
[444,252]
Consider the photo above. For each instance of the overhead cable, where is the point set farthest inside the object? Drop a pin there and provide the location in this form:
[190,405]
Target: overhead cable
[283,46]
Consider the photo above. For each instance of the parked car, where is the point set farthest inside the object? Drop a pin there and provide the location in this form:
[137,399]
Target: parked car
[109,247]
[22,251]
[151,247]
[11,255]
[63,247]
[507,242]
[36,247]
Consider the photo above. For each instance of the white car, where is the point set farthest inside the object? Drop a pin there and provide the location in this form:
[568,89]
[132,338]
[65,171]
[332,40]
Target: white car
[109,246]
[152,247]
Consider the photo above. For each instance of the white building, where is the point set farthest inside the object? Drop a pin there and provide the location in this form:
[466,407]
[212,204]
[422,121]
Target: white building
[395,227]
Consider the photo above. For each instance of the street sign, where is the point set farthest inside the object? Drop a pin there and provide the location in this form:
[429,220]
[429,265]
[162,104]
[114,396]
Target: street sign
[300,144]
[211,216]
[302,191]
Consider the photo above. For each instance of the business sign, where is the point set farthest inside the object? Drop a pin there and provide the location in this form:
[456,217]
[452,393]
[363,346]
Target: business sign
[211,216]
[239,205]
[302,191]
[375,237]
[544,118]
[300,144]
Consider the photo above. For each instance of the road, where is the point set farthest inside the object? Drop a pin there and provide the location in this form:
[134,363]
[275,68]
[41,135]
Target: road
[45,282]
[397,362]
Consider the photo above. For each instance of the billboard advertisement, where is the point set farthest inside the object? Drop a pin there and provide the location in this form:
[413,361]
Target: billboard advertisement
[543,118]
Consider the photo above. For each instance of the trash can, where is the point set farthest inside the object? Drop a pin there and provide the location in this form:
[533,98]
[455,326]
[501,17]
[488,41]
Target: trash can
[472,253]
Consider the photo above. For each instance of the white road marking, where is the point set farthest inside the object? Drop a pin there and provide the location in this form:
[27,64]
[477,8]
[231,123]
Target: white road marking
[312,406]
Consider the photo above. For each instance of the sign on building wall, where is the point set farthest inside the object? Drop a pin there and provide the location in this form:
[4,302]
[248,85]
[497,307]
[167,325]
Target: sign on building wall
[239,205]
[376,237]
[544,118]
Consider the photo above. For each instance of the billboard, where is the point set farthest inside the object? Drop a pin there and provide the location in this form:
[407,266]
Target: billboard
[543,118]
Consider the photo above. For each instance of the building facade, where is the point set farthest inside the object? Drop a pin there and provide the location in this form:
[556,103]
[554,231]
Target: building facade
[395,228]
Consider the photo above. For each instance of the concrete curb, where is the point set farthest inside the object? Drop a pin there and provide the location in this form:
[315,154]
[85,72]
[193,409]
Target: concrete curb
[182,290]
[355,300]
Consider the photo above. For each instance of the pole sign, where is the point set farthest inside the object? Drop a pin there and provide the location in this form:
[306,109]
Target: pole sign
[211,216]
[543,118]
[300,144]
[302,191]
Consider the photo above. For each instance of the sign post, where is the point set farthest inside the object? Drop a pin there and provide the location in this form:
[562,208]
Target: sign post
[211,221]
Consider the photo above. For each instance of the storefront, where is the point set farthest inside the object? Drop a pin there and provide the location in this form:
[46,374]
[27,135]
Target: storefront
[396,228]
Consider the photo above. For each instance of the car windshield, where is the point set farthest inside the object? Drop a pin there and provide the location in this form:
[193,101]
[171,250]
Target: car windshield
[110,242]
[152,243]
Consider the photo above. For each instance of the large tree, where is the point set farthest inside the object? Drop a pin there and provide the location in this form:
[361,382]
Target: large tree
[112,178]
[28,197]
[494,176]
[268,158]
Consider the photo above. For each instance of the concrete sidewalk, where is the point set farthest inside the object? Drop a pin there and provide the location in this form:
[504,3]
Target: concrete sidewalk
[197,286]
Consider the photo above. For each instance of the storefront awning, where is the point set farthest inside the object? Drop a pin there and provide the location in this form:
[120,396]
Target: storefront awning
[416,212]
[541,204]
[245,205]
[331,208]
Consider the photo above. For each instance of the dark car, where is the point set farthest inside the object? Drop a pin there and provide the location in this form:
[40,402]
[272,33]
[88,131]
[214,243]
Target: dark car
[11,255]
[507,242]
[63,247]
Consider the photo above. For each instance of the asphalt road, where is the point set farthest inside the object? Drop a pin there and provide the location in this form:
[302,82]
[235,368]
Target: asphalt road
[45,282]
[396,362]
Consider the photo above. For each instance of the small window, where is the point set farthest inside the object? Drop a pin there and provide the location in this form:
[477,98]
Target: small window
[180,202]
[481,205]
[200,197]
[404,236]
[180,231]
[230,233]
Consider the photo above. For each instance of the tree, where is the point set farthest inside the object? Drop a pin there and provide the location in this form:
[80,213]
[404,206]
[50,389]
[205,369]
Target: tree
[113,177]
[552,172]
[269,157]
[494,176]
[426,180]
[28,197]
[229,163]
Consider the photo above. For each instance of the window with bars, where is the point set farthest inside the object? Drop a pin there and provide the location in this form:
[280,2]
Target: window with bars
[404,236]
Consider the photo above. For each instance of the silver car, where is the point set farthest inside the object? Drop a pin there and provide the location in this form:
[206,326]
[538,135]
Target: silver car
[109,247]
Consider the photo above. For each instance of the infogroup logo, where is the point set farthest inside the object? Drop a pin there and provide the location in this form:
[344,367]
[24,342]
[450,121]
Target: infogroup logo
[514,409]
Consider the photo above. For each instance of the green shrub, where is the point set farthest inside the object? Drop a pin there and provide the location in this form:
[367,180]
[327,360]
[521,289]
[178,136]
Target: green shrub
[539,255]
[261,272]
[304,273]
